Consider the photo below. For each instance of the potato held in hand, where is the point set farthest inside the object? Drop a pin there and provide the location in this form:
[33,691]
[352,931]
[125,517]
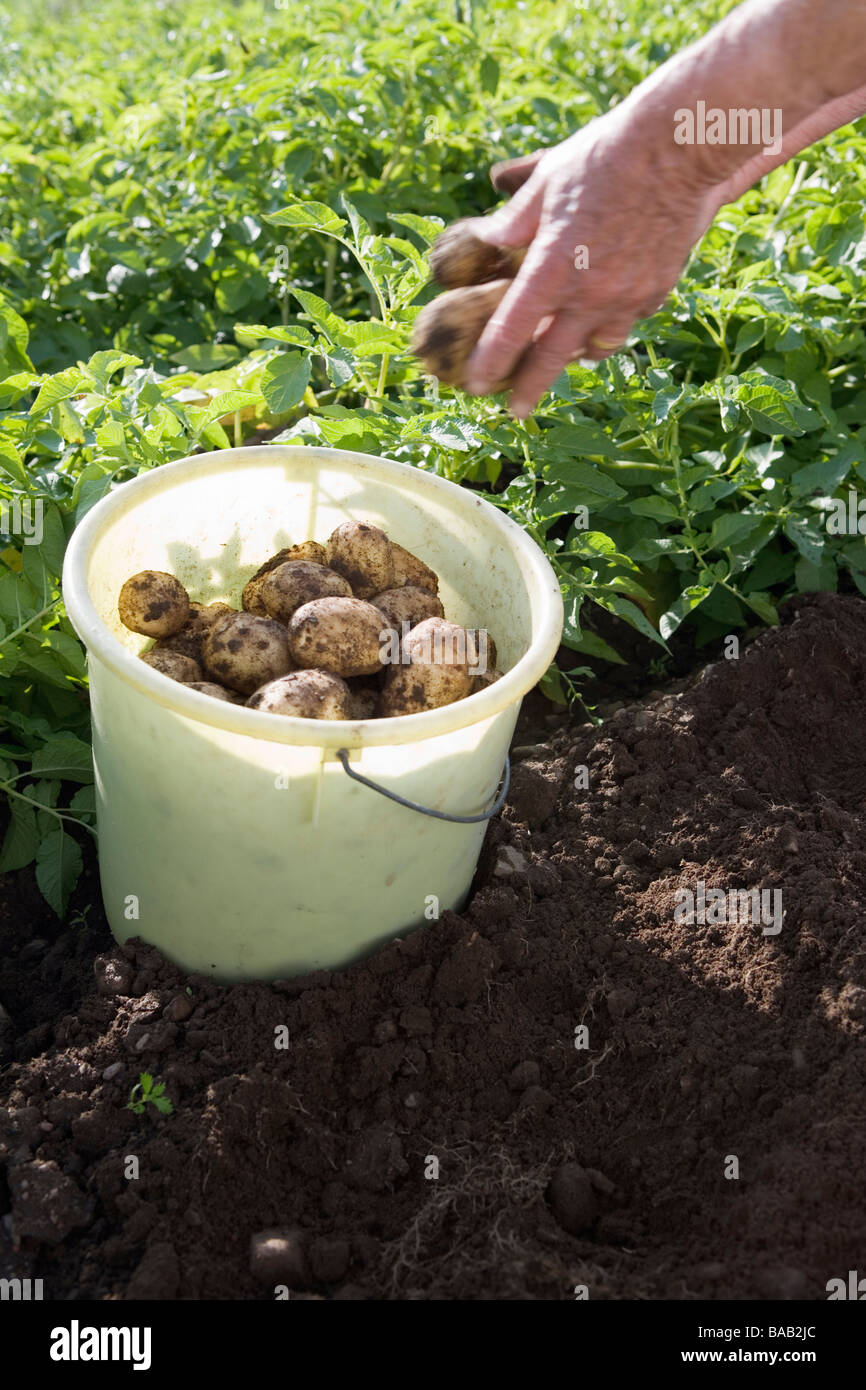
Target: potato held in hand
[244,652]
[154,603]
[459,257]
[305,695]
[361,553]
[446,331]
[341,635]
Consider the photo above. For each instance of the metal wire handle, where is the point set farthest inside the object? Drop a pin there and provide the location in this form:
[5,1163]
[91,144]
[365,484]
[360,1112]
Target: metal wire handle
[343,755]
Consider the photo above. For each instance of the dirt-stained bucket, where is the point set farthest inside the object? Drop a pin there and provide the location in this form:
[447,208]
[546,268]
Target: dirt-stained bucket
[238,842]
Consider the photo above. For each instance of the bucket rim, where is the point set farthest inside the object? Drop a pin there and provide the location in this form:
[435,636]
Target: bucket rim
[328,734]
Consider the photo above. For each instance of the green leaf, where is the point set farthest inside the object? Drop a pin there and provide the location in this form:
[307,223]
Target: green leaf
[679,610]
[826,475]
[224,404]
[249,333]
[763,605]
[659,508]
[284,381]
[92,491]
[749,335]
[590,644]
[22,837]
[70,651]
[58,388]
[773,404]
[732,527]
[52,547]
[631,614]
[205,357]
[10,463]
[808,541]
[340,366]
[310,216]
[16,386]
[103,365]
[58,868]
[320,312]
[427,228]
[84,800]
[578,475]
[489,74]
[664,402]
[821,578]
[65,756]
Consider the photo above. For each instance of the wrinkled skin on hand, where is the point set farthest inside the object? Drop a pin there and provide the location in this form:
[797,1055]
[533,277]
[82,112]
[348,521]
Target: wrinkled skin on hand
[637,213]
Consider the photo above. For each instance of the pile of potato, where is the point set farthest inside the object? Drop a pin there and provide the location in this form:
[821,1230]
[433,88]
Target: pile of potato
[353,629]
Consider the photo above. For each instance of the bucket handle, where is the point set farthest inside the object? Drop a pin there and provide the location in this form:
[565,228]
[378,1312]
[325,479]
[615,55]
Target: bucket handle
[343,755]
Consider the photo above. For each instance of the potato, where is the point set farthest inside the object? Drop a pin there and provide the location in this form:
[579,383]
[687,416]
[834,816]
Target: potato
[244,651]
[408,605]
[215,612]
[364,694]
[434,671]
[296,582]
[173,664]
[481,682]
[188,642]
[307,550]
[306,695]
[155,603]
[482,649]
[251,601]
[447,329]
[459,257]
[437,642]
[218,692]
[408,569]
[423,685]
[341,635]
[361,553]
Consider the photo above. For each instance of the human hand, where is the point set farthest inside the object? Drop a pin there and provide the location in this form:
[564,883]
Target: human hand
[609,217]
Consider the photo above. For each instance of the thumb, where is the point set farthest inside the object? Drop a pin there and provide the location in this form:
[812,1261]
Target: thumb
[510,174]
[516,222]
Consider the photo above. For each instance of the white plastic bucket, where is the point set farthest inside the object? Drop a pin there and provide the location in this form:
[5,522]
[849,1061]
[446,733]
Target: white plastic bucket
[234,840]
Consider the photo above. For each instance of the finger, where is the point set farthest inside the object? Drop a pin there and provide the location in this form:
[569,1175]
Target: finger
[608,337]
[552,351]
[510,174]
[539,289]
[516,223]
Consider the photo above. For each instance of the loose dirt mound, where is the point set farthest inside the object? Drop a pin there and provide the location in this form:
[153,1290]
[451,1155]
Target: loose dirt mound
[713,1046]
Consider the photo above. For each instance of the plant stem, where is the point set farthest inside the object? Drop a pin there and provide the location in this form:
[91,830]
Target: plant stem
[22,626]
[52,811]
[330,269]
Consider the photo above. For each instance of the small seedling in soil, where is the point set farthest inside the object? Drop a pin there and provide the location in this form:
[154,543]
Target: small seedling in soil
[145,1093]
[79,919]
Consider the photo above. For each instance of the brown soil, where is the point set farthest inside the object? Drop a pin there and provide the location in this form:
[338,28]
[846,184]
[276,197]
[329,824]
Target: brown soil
[608,1166]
